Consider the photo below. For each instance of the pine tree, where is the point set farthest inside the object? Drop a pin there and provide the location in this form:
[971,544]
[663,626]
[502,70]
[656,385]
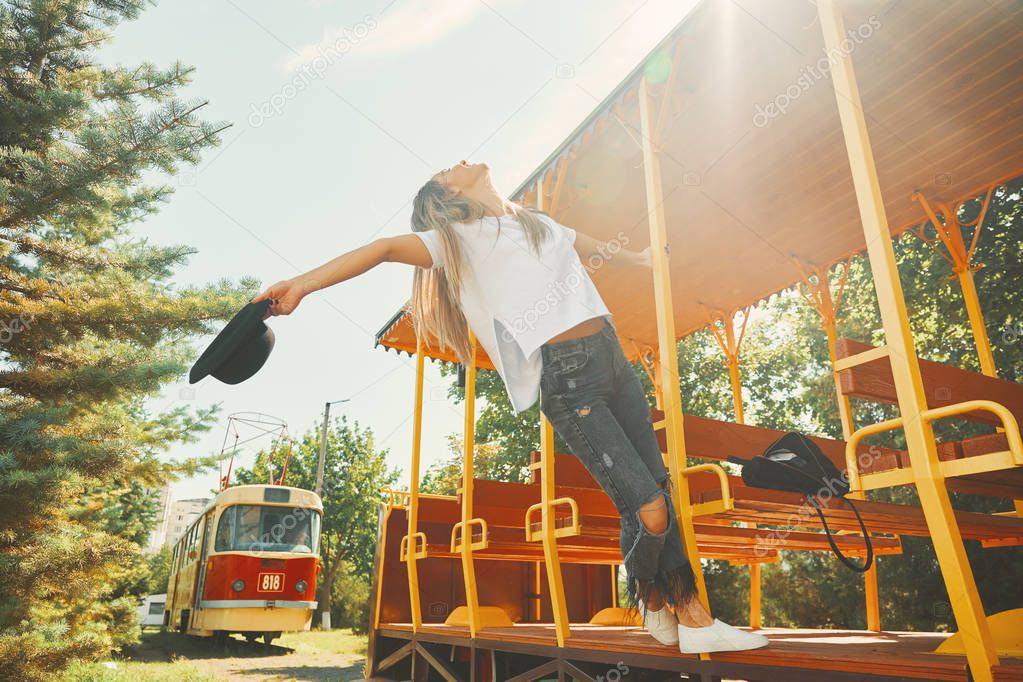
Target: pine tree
[90,324]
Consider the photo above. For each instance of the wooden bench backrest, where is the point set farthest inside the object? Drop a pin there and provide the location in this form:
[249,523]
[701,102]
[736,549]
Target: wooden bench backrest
[943,384]
[716,440]
[568,470]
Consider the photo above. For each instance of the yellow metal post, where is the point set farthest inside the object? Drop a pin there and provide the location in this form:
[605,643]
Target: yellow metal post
[819,296]
[949,231]
[385,512]
[548,493]
[547,526]
[926,470]
[413,506]
[666,340]
[731,345]
[614,585]
[976,315]
[468,448]
[658,393]
[537,586]
[754,596]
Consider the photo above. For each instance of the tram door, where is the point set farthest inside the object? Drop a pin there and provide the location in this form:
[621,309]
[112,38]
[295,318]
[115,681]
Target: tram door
[200,583]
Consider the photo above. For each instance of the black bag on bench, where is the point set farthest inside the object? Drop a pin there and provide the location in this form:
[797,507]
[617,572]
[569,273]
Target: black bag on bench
[794,463]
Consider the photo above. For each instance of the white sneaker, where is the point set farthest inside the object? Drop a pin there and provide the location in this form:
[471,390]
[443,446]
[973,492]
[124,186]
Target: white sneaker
[661,624]
[717,637]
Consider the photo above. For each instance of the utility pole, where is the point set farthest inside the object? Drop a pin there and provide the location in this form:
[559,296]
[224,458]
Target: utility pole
[325,613]
[323,444]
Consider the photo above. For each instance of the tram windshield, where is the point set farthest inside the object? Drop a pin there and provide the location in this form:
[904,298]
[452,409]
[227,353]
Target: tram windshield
[261,528]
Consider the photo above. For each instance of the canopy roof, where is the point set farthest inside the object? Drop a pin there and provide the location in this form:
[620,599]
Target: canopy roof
[400,334]
[750,191]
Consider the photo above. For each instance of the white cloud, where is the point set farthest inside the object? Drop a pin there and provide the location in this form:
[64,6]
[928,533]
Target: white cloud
[403,26]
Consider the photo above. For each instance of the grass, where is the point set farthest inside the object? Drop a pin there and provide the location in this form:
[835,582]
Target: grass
[129,671]
[316,641]
[164,656]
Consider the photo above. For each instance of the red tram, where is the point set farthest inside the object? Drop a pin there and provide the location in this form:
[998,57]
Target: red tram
[248,564]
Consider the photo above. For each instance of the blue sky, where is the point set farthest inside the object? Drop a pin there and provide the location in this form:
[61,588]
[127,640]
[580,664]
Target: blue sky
[340,112]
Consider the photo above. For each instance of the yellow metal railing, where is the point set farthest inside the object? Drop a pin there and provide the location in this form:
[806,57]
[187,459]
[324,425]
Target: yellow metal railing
[418,550]
[401,499]
[726,503]
[484,541]
[562,532]
[993,461]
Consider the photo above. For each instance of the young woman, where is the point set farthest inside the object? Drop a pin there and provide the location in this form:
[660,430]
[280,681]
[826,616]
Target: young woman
[515,277]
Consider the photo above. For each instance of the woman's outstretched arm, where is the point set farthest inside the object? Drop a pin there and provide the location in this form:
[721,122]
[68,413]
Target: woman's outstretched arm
[287,294]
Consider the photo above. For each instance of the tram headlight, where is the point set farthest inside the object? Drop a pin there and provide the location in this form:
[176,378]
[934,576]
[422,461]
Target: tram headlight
[301,586]
[238,585]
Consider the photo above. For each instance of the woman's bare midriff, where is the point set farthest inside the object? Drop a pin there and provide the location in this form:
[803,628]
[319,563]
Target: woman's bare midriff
[590,326]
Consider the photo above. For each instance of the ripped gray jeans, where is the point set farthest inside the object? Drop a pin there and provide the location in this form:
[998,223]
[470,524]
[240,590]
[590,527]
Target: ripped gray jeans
[595,402]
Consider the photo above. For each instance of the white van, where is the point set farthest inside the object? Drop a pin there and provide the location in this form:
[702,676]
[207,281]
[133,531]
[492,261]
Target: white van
[151,610]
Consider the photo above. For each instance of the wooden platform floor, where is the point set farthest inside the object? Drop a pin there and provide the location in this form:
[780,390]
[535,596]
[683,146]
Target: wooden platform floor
[888,655]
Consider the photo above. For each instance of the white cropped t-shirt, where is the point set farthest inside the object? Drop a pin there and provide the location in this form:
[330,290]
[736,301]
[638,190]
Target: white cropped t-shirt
[515,301]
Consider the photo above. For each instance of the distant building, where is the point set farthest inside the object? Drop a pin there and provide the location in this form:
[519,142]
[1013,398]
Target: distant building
[182,513]
[158,537]
[173,518]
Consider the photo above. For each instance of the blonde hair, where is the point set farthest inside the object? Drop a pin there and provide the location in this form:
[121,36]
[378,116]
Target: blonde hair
[436,305]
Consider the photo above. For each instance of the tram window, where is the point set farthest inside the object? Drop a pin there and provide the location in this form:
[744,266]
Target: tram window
[268,529]
[276,495]
[224,529]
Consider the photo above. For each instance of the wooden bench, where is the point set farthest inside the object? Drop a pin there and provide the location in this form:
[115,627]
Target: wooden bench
[710,532]
[945,385]
[598,544]
[713,439]
[790,509]
[775,507]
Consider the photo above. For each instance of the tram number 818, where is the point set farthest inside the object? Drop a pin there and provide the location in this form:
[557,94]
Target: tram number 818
[270,582]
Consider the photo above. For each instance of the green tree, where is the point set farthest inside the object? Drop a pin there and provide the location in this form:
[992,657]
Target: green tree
[159,570]
[91,324]
[490,461]
[350,601]
[354,472]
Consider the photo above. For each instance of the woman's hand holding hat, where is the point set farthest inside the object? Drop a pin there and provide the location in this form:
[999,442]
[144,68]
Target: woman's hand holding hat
[284,297]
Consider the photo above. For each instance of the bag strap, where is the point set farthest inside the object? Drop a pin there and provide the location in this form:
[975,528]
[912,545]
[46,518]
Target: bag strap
[834,548]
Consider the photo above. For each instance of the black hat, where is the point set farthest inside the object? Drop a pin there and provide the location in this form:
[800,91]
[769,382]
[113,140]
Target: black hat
[240,348]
